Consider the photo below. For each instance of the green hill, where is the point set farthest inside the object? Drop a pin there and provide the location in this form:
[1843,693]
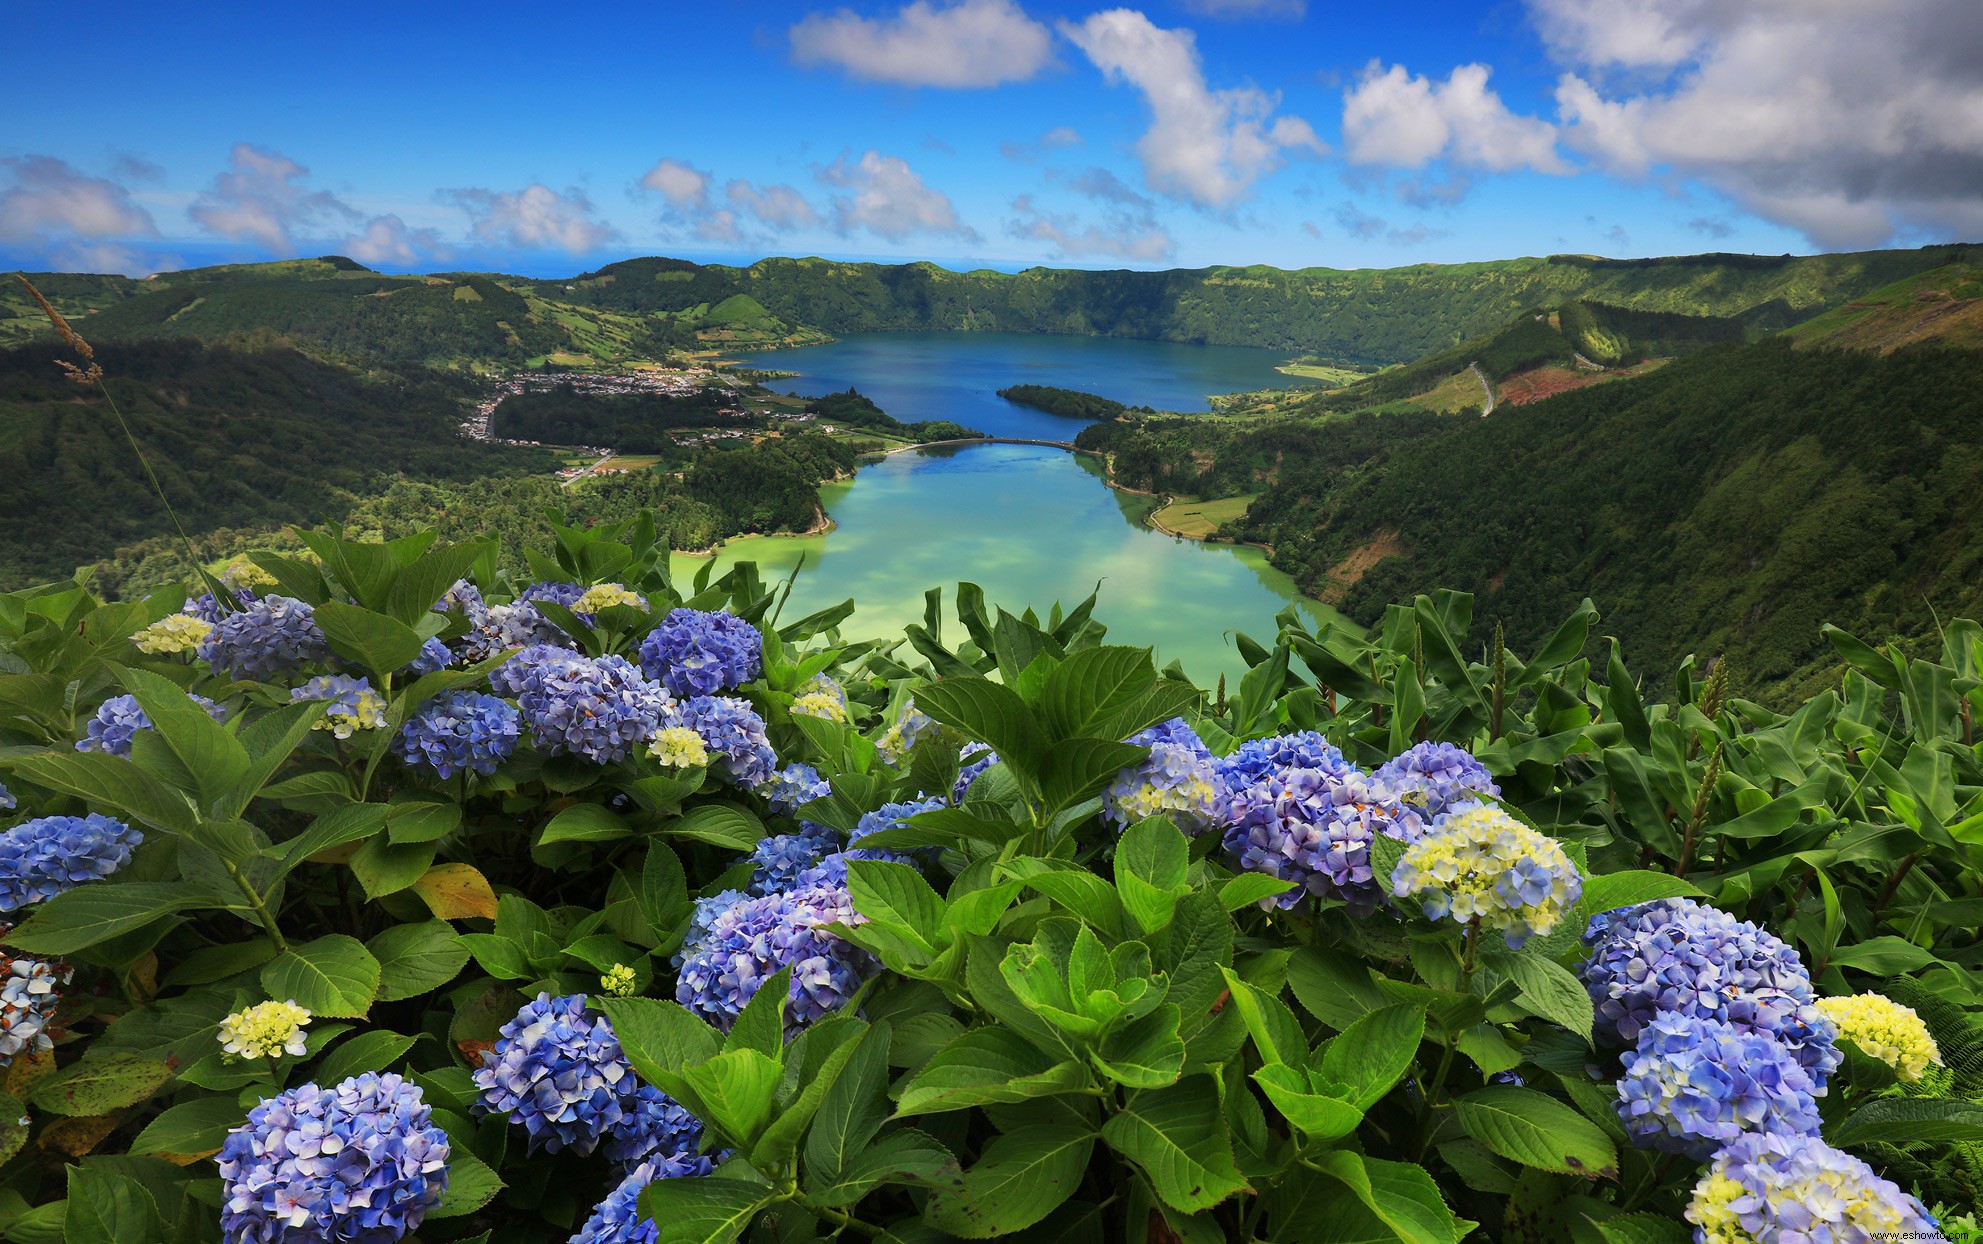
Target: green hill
[238,438]
[1944,304]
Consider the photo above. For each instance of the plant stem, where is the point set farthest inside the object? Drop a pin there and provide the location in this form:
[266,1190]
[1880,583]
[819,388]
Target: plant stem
[1893,884]
[261,907]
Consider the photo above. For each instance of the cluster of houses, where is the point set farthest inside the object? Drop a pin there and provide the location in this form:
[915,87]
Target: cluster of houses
[672,383]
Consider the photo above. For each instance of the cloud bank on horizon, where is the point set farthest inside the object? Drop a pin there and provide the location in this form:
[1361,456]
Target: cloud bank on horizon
[1010,132]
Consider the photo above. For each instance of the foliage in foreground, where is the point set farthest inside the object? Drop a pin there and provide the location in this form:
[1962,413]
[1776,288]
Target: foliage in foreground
[383,895]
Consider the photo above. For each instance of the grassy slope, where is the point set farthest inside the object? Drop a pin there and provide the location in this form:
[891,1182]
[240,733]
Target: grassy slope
[1945,305]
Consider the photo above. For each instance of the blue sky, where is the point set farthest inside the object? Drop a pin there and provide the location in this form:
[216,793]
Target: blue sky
[987,132]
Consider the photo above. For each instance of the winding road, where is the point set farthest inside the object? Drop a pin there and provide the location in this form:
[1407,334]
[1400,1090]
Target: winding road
[1481,376]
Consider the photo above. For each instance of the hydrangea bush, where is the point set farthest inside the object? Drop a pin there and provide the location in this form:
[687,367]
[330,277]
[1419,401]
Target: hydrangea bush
[377,893]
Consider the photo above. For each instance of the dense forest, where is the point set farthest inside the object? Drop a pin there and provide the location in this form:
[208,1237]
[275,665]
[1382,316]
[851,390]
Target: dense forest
[238,439]
[1070,402]
[853,409]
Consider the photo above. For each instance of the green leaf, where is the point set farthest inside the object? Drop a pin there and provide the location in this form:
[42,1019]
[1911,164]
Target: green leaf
[1145,1053]
[664,891]
[352,823]
[99,1085]
[108,1208]
[499,956]
[585,822]
[706,1210]
[13,1126]
[471,1185]
[1614,890]
[1372,1054]
[1901,1120]
[760,1025]
[1885,955]
[213,758]
[902,1157]
[1249,889]
[103,780]
[420,586]
[983,1066]
[1094,691]
[1177,1135]
[853,1109]
[1276,1032]
[1644,1229]
[896,897]
[1018,1180]
[990,713]
[333,976]
[1335,988]
[1151,860]
[375,641]
[384,867]
[374,1050]
[89,914]
[1536,1130]
[1076,889]
[736,1090]
[661,1039]
[813,1062]
[1552,991]
[191,1130]
[1388,1203]
[423,817]
[1324,1117]
[416,958]
[1078,769]
[720,824]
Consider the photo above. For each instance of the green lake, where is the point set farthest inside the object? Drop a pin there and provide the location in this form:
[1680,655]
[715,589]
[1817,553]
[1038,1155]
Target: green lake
[1031,525]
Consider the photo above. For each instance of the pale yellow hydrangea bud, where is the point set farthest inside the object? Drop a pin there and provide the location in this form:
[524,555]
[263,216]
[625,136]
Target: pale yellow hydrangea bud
[617,981]
[597,598]
[264,1030]
[1885,1030]
[678,747]
[179,632]
[245,576]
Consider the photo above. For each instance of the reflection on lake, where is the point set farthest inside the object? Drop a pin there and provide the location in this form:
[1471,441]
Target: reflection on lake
[1031,525]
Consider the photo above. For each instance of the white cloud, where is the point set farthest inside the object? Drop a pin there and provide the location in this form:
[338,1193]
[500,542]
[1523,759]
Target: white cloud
[1849,120]
[684,186]
[1137,239]
[971,43]
[1238,10]
[779,207]
[1205,146]
[48,199]
[533,218]
[884,196]
[261,198]
[1392,117]
[389,241]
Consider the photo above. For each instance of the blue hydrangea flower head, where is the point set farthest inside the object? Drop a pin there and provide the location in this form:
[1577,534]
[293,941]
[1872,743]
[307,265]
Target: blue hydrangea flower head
[890,816]
[42,858]
[1766,1188]
[596,707]
[1438,777]
[974,759]
[750,941]
[655,1125]
[354,706]
[617,1220]
[272,635]
[694,653]
[30,990]
[793,787]
[1677,956]
[1314,827]
[458,731]
[1258,758]
[702,919]
[821,697]
[434,657]
[898,740]
[7,801]
[739,751]
[1483,866]
[566,594]
[780,858]
[1694,1084]
[1179,778]
[464,598]
[558,1069]
[361,1162]
[209,610]
[119,718]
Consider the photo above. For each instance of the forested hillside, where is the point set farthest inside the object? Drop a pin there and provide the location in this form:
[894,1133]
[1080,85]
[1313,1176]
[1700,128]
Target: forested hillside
[238,438]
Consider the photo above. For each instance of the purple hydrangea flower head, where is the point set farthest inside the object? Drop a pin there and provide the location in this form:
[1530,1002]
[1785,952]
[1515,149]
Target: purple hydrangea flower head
[739,752]
[434,657]
[975,758]
[30,990]
[464,598]
[1439,777]
[617,1220]
[460,730]
[119,718]
[211,611]
[42,858]
[272,635]
[693,653]
[566,594]
[889,816]
[1314,827]
[1258,758]
[1179,778]
[361,1162]
[655,1125]
[1695,1084]
[780,858]
[750,942]
[1768,1188]
[702,918]
[558,1069]
[793,787]
[596,707]
[1677,956]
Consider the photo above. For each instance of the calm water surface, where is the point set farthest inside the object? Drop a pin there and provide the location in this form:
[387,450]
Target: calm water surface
[1029,524]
